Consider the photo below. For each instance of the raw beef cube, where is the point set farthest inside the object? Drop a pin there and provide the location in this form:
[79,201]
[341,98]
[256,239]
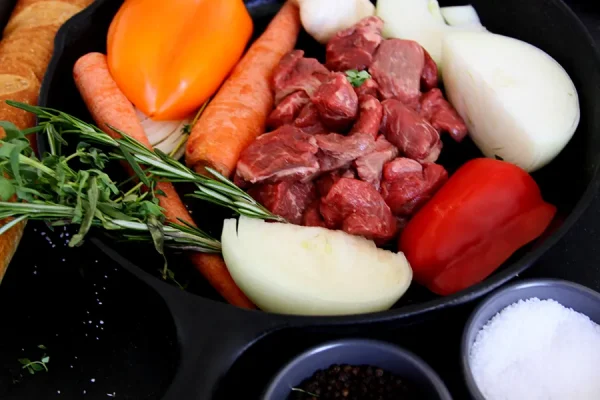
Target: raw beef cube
[399,167]
[406,192]
[441,115]
[287,110]
[353,48]
[284,154]
[369,116]
[407,130]
[312,215]
[310,121]
[286,199]
[369,167]
[368,87]
[326,181]
[397,68]
[358,209]
[295,73]
[429,76]
[336,102]
[338,151]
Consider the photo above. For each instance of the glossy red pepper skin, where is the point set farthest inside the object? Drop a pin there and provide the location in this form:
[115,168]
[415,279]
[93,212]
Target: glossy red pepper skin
[485,212]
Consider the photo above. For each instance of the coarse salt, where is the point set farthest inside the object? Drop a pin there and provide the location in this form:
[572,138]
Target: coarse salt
[537,350]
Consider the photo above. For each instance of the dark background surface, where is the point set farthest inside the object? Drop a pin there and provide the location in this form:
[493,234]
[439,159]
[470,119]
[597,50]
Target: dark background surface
[109,336]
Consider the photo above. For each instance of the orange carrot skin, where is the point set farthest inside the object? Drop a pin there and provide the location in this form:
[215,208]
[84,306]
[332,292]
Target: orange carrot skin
[213,265]
[239,110]
[108,105]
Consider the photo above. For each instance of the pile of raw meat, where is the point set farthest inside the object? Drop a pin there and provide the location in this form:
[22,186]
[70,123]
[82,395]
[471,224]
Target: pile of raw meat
[360,159]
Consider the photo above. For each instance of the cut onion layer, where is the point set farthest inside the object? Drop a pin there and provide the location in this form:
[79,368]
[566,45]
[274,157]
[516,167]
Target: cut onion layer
[290,269]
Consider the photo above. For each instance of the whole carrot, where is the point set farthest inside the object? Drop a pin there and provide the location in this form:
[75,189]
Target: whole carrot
[239,110]
[108,105]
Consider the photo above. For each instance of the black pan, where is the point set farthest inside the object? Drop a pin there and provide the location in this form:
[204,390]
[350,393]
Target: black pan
[213,334]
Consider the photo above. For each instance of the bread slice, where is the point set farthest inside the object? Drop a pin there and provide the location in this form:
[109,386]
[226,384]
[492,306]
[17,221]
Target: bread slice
[25,51]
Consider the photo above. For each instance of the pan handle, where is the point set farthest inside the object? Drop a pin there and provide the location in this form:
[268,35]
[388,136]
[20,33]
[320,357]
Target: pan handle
[211,335]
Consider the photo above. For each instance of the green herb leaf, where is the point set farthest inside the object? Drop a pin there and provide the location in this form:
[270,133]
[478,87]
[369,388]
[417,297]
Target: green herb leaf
[15,166]
[357,78]
[41,346]
[7,189]
[158,238]
[24,361]
[90,210]
[12,132]
[34,129]
[6,149]
[45,359]
[30,195]
[37,367]
[136,167]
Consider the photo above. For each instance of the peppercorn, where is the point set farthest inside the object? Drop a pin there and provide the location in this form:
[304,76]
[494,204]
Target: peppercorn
[349,382]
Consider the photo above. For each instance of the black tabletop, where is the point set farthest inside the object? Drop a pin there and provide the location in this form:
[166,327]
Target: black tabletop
[108,336]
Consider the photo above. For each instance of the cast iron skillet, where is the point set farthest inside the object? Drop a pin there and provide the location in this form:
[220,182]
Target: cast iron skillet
[212,334]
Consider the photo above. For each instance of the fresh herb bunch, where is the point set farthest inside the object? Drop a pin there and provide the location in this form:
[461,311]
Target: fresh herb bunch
[159,166]
[52,190]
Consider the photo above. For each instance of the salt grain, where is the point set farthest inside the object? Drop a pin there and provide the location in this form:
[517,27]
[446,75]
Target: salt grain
[537,350]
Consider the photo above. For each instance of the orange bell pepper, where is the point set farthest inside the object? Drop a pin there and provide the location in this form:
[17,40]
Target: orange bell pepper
[169,57]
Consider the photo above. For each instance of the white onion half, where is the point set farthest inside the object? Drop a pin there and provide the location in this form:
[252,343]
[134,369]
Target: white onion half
[292,269]
[461,16]
[518,102]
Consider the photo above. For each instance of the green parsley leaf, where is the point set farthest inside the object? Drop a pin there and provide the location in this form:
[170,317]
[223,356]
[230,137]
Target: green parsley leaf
[37,367]
[357,78]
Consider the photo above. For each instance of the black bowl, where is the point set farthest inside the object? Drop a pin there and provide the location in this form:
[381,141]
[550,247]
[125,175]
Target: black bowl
[569,182]
[391,358]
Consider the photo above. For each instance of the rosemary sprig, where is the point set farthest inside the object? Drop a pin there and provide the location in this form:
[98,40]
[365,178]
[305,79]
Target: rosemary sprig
[217,189]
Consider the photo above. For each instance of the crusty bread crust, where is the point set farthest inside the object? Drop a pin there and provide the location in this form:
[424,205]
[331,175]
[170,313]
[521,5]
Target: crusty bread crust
[25,51]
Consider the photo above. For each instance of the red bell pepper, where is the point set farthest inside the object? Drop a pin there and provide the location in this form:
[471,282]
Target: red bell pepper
[485,212]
